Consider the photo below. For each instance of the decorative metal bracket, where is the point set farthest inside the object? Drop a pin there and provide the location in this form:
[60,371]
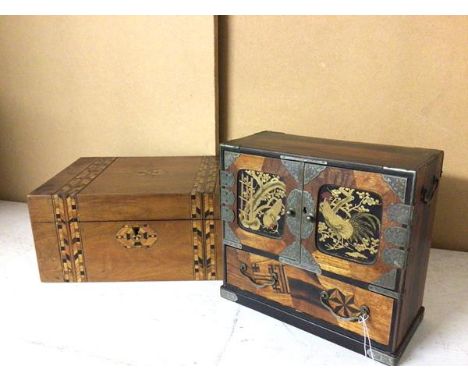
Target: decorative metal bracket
[298,256]
[227,214]
[400,213]
[395,257]
[397,184]
[230,237]
[311,171]
[227,196]
[381,357]
[293,205]
[388,280]
[397,236]
[307,215]
[229,158]
[295,169]
[227,179]
[295,254]
[385,292]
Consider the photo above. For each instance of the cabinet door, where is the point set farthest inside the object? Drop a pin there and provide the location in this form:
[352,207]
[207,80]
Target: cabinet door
[261,202]
[356,223]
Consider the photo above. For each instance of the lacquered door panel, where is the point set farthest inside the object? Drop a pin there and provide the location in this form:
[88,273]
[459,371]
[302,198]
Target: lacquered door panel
[261,202]
[356,223]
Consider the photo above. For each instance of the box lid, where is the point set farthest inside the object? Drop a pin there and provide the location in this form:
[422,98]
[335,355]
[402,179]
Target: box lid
[131,188]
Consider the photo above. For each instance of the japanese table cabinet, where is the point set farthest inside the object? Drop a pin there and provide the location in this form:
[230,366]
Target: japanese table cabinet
[325,234]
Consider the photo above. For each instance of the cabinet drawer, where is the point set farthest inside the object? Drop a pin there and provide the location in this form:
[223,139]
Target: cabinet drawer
[138,250]
[321,297]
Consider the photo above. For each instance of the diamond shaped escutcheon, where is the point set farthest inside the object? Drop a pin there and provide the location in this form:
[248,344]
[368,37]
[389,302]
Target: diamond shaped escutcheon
[136,236]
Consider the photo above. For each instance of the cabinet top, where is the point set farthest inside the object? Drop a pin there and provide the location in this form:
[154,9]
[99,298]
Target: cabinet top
[407,158]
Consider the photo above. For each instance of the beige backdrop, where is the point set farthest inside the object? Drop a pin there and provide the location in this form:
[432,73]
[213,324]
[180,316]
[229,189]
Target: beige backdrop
[96,86]
[394,80]
[73,86]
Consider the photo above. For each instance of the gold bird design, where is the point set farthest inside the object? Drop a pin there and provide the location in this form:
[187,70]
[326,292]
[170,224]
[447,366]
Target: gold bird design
[255,205]
[360,225]
[271,217]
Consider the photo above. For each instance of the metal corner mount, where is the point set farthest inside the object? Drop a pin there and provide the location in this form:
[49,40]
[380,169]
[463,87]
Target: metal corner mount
[397,184]
[385,292]
[395,257]
[227,214]
[227,179]
[294,168]
[381,357]
[228,295]
[400,213]
[229,235]
[298,256]
[398,236]
[229,158]
[227,197]
[388,280]
[311,171]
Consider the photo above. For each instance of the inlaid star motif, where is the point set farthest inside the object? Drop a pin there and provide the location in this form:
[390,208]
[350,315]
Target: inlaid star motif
[342,304]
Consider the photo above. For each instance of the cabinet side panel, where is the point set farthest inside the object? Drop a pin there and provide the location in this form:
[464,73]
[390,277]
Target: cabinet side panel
[40,208]
[418,258]
[48,256]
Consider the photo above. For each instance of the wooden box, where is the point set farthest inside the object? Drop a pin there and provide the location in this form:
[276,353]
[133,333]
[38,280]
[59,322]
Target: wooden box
[326,234]
[129,219]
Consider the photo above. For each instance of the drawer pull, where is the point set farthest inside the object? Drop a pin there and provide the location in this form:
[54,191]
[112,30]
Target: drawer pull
[274,278]
[310,218]
[343,303]
[291,212]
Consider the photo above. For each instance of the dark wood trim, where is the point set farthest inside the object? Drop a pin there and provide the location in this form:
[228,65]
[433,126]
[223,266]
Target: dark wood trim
[321,329]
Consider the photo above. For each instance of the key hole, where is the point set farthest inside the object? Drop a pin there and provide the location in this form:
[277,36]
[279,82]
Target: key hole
[304,210]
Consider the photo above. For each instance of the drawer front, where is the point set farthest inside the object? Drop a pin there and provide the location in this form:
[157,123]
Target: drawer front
[321,297]
[138,250]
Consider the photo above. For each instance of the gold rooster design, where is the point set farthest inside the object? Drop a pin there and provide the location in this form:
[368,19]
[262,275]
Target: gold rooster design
[347,227]
[261,201]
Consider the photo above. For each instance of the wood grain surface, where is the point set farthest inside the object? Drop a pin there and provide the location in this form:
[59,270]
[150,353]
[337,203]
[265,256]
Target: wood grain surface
[76,216]
[301,290]
[170,258]
[410,158]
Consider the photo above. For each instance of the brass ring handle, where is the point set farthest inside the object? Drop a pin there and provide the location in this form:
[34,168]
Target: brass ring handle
[364,311]
[274,278]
